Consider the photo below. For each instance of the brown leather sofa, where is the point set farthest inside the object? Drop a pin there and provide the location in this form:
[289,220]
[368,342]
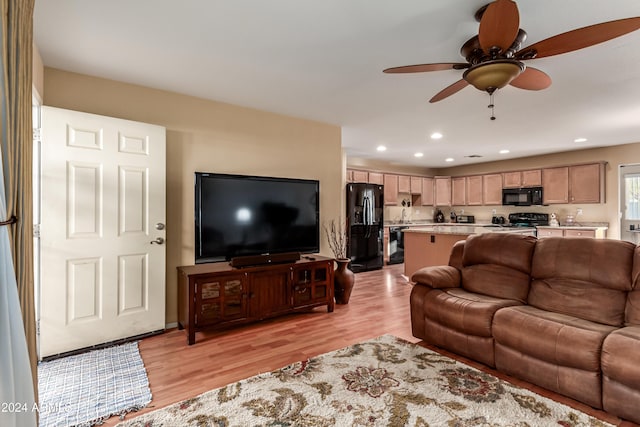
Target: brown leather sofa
[558,312]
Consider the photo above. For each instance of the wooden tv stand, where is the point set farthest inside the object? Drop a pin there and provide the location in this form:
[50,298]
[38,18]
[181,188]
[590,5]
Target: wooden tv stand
[216,295]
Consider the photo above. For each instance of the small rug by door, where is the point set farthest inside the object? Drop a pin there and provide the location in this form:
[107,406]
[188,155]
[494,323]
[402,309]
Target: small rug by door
[383,382]
[85,389]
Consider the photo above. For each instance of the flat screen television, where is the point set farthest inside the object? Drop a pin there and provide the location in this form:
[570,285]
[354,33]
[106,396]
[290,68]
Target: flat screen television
[240,215]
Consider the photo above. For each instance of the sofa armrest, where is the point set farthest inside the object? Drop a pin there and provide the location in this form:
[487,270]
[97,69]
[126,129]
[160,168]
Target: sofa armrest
[437,277]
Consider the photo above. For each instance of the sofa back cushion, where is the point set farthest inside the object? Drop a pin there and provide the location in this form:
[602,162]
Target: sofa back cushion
[585,278]
[633,299]
[498,265]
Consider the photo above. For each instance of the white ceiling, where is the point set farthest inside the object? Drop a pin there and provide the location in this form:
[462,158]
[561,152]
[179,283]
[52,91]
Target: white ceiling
[323,60]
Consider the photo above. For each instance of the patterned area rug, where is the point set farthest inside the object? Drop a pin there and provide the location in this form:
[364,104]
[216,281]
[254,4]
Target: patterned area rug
[383,382]
[85,389]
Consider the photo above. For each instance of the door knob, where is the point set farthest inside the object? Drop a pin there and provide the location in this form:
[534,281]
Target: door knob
[159,226]
[158,240]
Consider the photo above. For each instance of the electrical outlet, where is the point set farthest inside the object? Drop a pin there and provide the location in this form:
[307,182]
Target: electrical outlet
[493,211]
[578,211]
[461,211]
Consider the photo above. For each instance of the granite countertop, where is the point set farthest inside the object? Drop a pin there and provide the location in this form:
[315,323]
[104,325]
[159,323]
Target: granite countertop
[467,229]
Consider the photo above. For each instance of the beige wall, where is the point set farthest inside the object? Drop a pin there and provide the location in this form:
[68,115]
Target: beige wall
[210,136]
[605,212]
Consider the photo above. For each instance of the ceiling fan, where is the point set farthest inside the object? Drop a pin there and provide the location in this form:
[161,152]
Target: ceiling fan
[495,58]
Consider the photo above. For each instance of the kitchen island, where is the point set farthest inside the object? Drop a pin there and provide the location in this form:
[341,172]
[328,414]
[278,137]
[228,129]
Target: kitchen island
[429,246]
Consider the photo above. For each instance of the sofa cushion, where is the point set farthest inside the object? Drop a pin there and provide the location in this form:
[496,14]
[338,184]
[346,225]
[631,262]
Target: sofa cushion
[553,337]
[498,265]
[585,278]
[621,373]
[632,313]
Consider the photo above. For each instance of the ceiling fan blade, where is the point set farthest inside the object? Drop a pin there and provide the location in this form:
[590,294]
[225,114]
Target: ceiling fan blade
[421,68]
[579,38]
[532,79]
[499,25]
[449,90]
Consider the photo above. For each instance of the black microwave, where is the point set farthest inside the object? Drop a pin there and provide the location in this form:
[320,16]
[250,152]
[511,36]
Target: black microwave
[523,196]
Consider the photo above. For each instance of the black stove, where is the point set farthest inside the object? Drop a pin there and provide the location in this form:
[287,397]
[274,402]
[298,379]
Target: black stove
[528,219]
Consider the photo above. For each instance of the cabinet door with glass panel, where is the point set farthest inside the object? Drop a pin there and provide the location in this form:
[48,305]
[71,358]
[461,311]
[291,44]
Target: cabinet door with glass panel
[220,298]
[312,284]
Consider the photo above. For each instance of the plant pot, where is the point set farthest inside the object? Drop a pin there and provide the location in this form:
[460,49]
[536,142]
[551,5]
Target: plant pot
[343,280]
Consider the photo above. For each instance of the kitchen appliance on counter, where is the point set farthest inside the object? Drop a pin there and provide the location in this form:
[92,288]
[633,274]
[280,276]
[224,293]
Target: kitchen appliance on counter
[365,205]
[396,244]
[438,217]
[498,219]
[528,219]
[465,219]
[523,196]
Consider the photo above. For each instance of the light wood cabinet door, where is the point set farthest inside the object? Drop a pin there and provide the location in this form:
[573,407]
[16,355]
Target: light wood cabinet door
[492,189]
[549,232]
[474,190]
[459,191]
[390,189]
[376,178]
[443,190]
[427,192]
[416,185]
[404,184]
[512,179]
[555,185]
[579,233]
[360,176]
[585,183]
[531,178]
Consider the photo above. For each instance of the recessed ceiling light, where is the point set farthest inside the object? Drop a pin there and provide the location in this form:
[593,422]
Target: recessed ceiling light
[504,151]
[449,159]
[418,154]
[580,140]
[436,135]
[381,148]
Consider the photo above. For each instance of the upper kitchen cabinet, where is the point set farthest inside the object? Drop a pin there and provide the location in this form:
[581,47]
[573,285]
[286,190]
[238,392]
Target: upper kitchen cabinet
[526,178]
[427,197]
[355,175]
[555,185]
[390,189]
[492,189]
[443,190]
[404,184]
[459,191]
[376,178]
[586,183]
[574,184]
[474,190]
[416,185]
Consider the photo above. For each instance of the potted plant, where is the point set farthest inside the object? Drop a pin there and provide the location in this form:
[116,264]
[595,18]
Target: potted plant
[343,278]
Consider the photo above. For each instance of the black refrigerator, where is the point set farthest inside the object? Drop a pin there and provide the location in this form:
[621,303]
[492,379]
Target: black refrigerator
[365,205]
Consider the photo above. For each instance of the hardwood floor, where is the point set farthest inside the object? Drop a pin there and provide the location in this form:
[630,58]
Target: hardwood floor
[379,305]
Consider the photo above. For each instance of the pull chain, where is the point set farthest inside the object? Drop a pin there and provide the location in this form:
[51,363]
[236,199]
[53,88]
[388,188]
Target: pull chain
[491,105]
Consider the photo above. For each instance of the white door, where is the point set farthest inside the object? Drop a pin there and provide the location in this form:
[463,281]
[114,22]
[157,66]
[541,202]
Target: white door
[630,203]
[103,208]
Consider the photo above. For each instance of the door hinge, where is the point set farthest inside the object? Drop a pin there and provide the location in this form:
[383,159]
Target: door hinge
[38,327]
[36,231]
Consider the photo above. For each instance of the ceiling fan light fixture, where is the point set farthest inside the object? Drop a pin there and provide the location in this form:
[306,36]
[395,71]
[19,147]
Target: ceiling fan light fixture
[491,75]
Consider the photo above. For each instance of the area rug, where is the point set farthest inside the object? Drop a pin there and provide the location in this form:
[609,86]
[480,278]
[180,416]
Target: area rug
[383,382]
[85,389]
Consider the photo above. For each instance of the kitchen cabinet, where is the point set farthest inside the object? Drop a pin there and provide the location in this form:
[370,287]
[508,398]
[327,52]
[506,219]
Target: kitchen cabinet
[474,190]
[586,183]
[492,189]
[564,231]
[574,184]
[390,189]
[526,178]
[416,185]
[555,185]
[404,184]
[442,186]
[376,178]
[459,191]
[359,176]
[427,198]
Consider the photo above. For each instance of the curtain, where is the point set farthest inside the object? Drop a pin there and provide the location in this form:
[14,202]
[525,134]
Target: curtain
[17,319]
